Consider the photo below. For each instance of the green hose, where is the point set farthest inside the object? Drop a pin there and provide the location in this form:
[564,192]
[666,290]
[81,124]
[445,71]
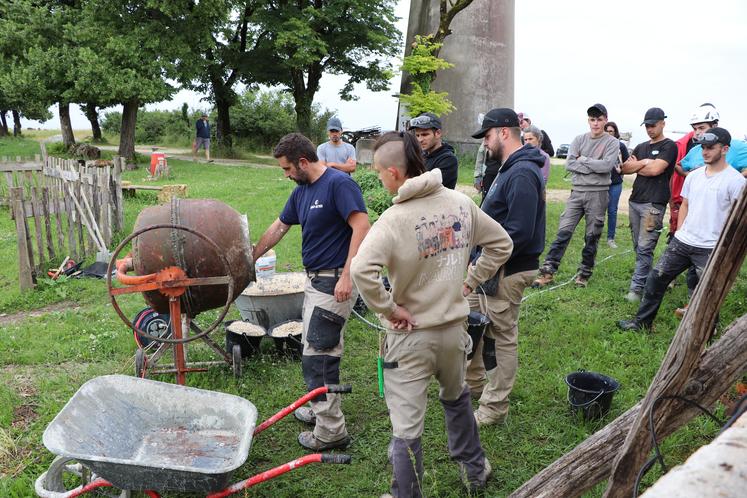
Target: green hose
[380,369]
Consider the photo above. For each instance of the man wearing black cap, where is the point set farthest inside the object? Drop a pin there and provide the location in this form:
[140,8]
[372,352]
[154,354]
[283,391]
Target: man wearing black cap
[516,200]
[707,196]
[591,158]
[653,163]
[438,154]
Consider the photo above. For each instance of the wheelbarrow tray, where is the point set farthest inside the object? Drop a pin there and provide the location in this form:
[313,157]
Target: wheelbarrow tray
[146,435]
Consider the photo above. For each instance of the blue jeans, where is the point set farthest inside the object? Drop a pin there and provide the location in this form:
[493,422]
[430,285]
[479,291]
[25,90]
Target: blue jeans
[615,191]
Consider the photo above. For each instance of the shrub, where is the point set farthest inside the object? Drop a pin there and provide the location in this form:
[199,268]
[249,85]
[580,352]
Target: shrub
[377,198]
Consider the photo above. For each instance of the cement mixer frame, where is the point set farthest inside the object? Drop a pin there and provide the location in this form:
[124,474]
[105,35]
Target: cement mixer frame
[173,282]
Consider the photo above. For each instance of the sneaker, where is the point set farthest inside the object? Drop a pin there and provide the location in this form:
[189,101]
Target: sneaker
[632,325]
[543,280]
[611,243]
[633,297]
[483,420]
[308,440]
[581,281]
[305,415]
[680,312]
[478,483]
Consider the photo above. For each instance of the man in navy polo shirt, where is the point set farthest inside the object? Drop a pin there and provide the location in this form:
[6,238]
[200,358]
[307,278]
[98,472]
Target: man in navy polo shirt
[329,206]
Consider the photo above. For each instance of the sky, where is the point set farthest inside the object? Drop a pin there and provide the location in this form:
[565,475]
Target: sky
[569,55]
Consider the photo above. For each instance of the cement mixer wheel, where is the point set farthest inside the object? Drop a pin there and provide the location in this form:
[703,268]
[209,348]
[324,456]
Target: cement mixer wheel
[236,356]
[140,363]
[225,279]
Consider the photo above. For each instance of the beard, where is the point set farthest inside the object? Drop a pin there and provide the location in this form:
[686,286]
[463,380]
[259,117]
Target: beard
[714,159]
[497,153]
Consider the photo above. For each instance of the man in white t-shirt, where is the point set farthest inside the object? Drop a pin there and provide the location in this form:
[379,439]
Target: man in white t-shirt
[707,197]
[335,153]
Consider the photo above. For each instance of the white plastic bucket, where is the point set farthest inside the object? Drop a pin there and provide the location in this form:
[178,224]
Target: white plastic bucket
[265,266]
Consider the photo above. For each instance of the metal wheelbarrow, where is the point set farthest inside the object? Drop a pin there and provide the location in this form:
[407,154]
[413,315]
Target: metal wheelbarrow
[144,435]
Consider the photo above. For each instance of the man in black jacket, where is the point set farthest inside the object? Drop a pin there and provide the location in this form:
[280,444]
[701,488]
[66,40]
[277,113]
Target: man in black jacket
[438,154]
[516,200]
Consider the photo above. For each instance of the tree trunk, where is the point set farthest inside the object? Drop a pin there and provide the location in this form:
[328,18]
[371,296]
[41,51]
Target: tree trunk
[591,461]
[303,115]
[224,99]
[303,95]
[127,133]
[3,124]
[683,356]
[16,123]
[65,125]
[93,117]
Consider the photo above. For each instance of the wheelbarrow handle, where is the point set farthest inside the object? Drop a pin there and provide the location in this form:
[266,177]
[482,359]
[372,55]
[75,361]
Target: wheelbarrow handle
[282,469]
[331,388]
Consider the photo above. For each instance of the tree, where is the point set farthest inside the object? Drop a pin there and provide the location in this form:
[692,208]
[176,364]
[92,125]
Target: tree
[313,37]
[422,65]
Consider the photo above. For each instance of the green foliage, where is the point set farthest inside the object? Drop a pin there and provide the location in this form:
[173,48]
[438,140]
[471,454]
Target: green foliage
[377,198]
[422,64]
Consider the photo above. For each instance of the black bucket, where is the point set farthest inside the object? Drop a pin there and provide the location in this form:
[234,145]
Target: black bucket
[476,323]
[590,393]
[290,345]
[249,344]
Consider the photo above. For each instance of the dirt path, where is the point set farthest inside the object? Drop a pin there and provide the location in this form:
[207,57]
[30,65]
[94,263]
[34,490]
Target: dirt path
[10,319]
[558,195]
[186,155]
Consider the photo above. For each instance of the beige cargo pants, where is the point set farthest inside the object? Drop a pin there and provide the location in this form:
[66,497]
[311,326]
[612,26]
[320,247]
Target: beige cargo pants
[324,323]
[496,360]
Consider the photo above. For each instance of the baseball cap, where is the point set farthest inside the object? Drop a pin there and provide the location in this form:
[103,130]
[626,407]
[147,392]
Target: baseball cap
[501,117]
[522,116]
[653,116]
[714,136]
[425,121]
[334,124]
[596,108]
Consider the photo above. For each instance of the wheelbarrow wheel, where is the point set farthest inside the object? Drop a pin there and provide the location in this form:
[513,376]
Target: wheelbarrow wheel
[236,354]
[140,362]
[65,469]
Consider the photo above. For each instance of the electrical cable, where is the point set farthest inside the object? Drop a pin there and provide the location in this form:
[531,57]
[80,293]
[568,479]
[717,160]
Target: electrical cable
[652,430]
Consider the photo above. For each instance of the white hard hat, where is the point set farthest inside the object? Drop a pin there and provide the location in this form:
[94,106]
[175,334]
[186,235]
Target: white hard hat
[704,114]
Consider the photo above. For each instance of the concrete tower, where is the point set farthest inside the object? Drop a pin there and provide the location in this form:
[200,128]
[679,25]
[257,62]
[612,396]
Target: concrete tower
[481,47]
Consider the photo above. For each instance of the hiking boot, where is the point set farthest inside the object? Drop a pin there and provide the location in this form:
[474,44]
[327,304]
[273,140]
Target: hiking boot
[305,415]
[633,297]
[483,420]
[478,483]
[308,440]
[611,243]
[543,280]
[632,325]
[581,281]
[680,312]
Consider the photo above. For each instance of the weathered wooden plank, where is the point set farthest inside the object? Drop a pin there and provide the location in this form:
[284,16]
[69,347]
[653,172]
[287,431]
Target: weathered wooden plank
[72,241]
[82,242]
[118,201]
[47,222]
[21,166]
[25,265]
[687,346]
[84,216]
[34,196]
[105,200]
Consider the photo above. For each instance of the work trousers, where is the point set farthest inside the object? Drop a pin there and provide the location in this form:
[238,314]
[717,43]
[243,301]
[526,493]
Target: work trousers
[646,223]
[324,323]
[677,258]
[590,205]
[496,357]
[411,359]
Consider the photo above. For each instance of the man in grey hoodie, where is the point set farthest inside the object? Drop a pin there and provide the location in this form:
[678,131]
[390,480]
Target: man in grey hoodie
[591,158]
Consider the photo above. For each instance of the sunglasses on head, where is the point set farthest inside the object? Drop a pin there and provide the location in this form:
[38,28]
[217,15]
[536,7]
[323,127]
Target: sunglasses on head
[710,138]
[421,121]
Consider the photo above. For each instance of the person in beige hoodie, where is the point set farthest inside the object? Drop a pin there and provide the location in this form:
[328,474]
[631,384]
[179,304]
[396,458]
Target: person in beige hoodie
[424,241]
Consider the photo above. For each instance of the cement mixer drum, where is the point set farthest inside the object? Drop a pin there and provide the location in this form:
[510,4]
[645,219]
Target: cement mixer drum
[157,249]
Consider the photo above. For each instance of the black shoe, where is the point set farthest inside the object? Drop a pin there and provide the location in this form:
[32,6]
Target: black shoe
[633,324]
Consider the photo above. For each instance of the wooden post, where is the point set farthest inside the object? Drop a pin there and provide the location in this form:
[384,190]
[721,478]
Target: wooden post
[118,194]
[71,239]
[25,261]
[58,197]
[36,212]
[47,221]
[590,462]
[683,356]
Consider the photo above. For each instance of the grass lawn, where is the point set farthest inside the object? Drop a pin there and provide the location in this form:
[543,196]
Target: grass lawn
[44,359]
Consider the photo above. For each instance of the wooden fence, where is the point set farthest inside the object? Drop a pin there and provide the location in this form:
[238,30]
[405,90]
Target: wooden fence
[61,208]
